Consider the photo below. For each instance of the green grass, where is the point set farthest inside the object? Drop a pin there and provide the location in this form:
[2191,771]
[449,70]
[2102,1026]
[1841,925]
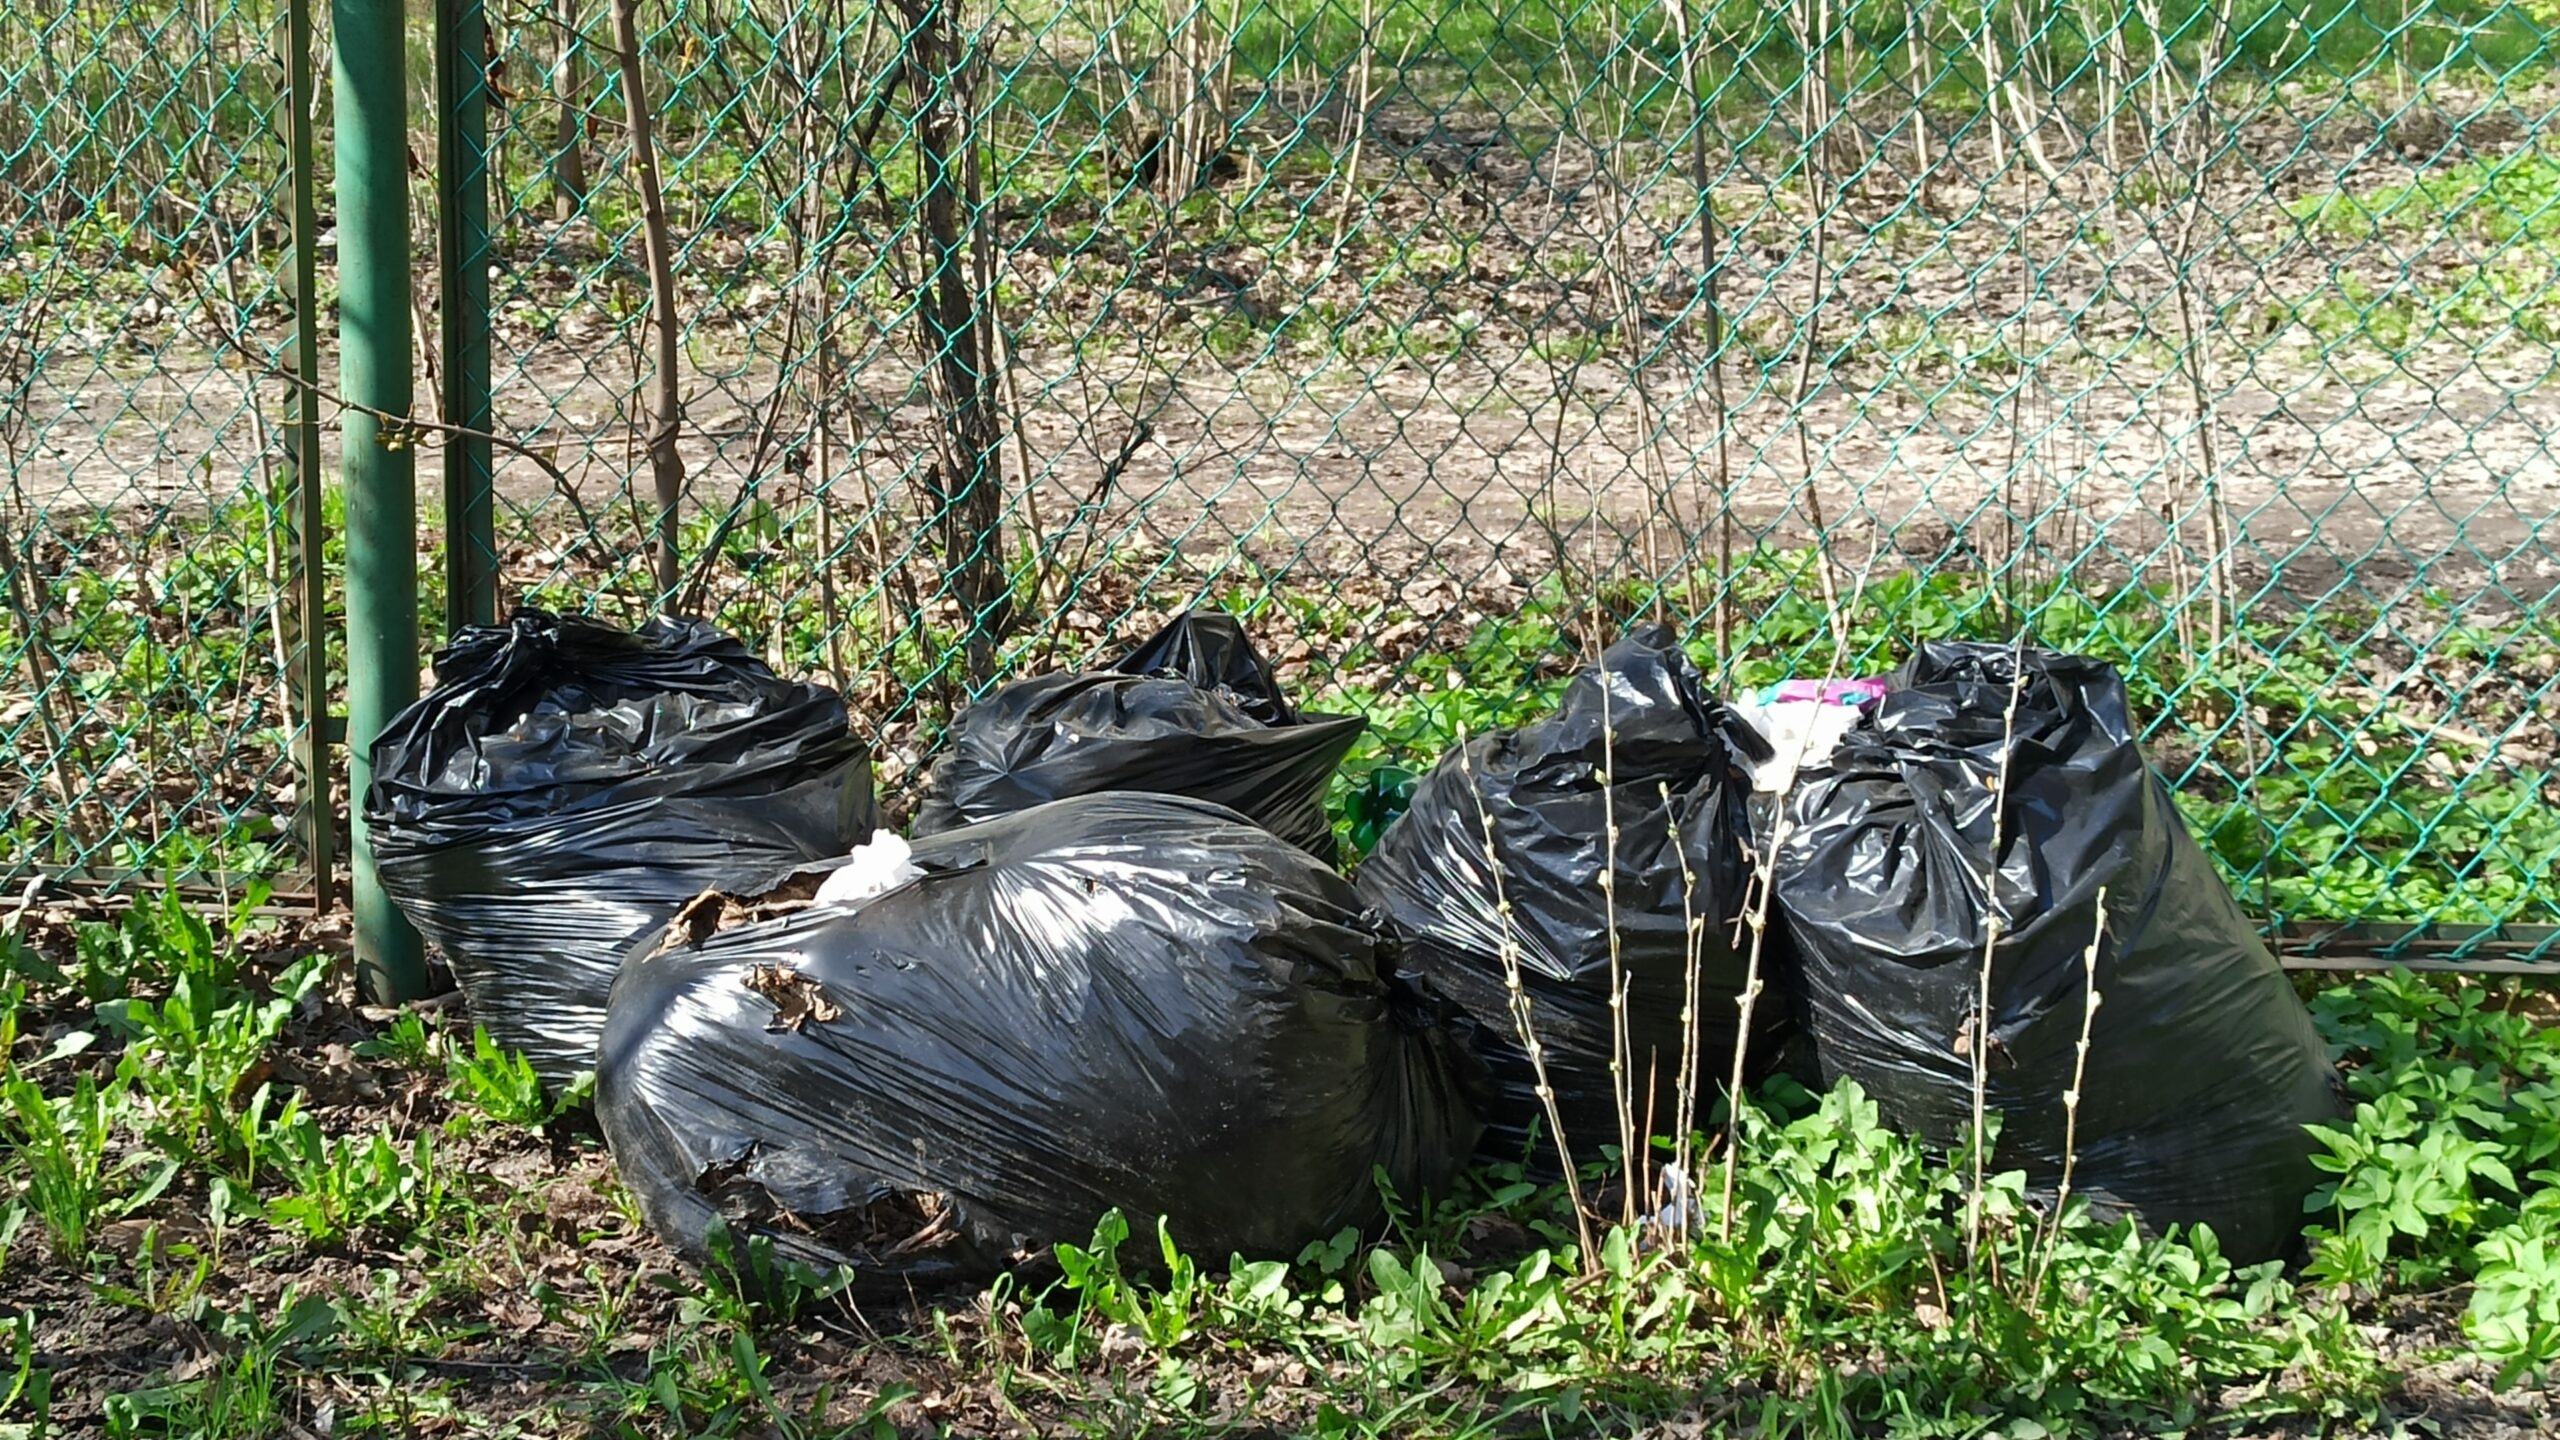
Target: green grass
[157,636]
[2500,216]
[2500,202]
[128,102]
[1545,51]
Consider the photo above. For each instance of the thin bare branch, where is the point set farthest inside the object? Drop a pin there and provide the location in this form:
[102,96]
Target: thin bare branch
[1523,1013]
[666,402]
[2079,1075]
[1980,1046]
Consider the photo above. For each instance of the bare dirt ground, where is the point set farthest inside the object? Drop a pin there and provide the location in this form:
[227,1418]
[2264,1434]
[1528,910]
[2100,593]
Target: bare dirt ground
[1504,342]
[2385,482]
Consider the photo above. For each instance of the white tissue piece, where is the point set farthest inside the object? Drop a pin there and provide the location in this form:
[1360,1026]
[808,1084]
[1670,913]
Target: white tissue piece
[876,869]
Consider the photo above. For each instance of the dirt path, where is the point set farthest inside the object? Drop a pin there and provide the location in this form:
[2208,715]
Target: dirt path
[1967,371]
[2382,484]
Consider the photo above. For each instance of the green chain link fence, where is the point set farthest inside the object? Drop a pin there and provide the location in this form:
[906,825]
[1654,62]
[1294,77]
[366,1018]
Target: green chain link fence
[154,694]
[2214,337]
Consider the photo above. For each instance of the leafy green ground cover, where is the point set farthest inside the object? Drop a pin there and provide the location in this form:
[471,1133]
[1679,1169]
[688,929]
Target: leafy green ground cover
[231,1204]
[2318,802]
[2343,759]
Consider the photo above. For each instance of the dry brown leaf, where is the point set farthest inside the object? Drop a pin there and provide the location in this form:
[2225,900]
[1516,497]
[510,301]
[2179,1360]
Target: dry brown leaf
[796,998]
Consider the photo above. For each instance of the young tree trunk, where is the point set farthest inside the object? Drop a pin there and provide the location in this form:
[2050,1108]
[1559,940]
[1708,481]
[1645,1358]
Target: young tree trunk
[568,155]
[955,319]
[666,400]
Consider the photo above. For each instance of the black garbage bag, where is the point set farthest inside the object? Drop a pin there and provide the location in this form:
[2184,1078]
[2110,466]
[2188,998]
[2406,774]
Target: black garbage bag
[1119,1001]
[2203,1065]
[1210,649]
[567,785]
[1541,786]
[1194,711]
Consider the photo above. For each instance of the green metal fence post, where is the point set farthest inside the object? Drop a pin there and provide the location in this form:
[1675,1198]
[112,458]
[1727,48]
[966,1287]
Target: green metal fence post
[376,463]
[462,251]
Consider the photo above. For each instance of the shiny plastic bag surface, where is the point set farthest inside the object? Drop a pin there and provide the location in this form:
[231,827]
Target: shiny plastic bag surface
[568,784]
[2203,1067]
[1194,711]
[1115,1001]
[1210,649]
[1680,872]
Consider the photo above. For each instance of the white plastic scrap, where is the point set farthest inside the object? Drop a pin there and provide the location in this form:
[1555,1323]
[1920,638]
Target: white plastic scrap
[1804,728]
[875,869]
[1679,1214]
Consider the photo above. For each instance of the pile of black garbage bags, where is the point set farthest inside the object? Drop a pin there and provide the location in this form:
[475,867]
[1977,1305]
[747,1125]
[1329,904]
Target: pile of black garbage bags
[1116,965]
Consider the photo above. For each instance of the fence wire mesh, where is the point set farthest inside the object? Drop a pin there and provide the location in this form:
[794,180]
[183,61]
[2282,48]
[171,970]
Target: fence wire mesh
[148,717]
[2213,337]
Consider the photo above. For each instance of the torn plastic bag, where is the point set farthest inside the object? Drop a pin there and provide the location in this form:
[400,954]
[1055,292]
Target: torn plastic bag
[1194,711]
[2203,1065]
[568,784]
[1115,1001]
[1541,786]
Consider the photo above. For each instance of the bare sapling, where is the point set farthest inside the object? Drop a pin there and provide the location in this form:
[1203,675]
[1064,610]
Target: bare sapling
[2027,95]
[789,362]
[568,154]
[1693,933]
[955,324]
[287,624]
[1755,918]
[28,597]
[1812,19]
[2079,1075]
[1759,893]
[1979,1045]
[2020,512]
[1621,1047]
[1631,1141]
[1630,234]
[1523,1015]
[1691,32]
[666,395]
[1917,55]
[2180,161]
[306,684]
[2004,102]
[2115,71]
[1364,99]
[1565,383]
[1198,60]
[826,57]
